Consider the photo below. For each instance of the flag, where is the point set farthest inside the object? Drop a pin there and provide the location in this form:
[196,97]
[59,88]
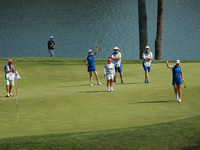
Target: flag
[17,76]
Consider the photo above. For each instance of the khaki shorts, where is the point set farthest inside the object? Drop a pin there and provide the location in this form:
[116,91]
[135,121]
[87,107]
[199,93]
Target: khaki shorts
[10,82]
[109,77]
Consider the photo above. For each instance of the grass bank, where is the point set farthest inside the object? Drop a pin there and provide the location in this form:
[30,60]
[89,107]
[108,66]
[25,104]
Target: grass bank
[181,134]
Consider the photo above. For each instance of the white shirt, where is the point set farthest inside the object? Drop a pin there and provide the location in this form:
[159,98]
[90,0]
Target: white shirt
[10,75]
[109,69]
[117,63]
[147,63]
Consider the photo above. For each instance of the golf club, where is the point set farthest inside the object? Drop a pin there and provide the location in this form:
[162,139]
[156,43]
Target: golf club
[184,84]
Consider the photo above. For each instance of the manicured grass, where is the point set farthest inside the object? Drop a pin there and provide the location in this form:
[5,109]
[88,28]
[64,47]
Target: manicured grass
[55,97]
[182,134]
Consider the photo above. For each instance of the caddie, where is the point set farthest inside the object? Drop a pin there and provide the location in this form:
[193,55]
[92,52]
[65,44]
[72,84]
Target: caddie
[9,70]
[116,60]
[147,59]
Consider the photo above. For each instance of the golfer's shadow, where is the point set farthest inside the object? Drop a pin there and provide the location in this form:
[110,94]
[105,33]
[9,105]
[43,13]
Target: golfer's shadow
[3,96]
[74,85]
[134,83]
[146,102]
[92,91]
[169,101]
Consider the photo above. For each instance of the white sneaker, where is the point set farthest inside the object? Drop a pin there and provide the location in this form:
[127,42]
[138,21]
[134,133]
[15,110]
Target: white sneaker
[112,89]
[91,84]
[11,94]
[99,83]
[8,95]
[179,100]
[108,90]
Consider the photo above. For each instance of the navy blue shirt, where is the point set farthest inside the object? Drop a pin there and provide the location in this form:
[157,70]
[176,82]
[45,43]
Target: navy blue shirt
[51,43]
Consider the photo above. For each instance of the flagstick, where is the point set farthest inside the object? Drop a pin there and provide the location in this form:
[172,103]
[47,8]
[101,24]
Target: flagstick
[17,102]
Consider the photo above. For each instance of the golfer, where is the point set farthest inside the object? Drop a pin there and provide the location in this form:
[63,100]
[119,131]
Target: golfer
[51,46]
[91,65]
[9,70]
[177,78]
[109,73]
[116,59]
[147,59]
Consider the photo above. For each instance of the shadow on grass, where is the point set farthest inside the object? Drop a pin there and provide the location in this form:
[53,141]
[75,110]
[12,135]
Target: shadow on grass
[197,147]
[129,83]
[92,91]
[2,96]
[135,83]
[74,85]
[169,101]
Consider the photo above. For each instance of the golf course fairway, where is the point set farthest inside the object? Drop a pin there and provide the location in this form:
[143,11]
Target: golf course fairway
[55,98]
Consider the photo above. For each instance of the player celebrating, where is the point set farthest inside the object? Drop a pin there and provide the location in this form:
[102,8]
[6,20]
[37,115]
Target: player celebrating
[177,78]
[147,58]
[109,73]
[116,59]
[91,65]
[9,70]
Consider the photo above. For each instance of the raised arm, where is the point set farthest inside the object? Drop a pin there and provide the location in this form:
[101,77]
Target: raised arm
[168,65]
[96,50]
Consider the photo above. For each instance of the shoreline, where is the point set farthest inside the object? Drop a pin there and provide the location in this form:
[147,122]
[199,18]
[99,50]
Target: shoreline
[80,60]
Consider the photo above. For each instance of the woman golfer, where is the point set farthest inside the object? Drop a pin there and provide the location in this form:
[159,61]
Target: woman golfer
[91,65]
[176,81]
[109,73]
[147,58]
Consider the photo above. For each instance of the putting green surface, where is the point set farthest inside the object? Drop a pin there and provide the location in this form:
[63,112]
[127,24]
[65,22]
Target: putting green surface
[55,97]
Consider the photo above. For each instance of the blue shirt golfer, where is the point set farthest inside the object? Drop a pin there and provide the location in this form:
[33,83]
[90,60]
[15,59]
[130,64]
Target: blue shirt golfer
[91,65]
[147,58]
[177,78]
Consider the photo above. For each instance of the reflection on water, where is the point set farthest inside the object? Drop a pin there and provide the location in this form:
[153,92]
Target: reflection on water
[78,25]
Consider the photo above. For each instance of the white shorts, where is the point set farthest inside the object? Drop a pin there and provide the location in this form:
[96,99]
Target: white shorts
[108,77]
[10,82]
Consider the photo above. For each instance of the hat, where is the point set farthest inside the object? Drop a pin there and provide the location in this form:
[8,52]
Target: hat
[178,61]
[109,58]
[10,61]
[51,37]
[89,50]
[116,48]
[147,47]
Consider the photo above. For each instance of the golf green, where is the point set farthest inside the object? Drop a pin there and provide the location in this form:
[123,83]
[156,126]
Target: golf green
[55,97]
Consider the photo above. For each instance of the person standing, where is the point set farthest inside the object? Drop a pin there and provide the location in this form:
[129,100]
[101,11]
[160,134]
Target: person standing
[109,72]
[51,46]
[91,65]
[177,78]
[116,59]
[147,59]
[9,70]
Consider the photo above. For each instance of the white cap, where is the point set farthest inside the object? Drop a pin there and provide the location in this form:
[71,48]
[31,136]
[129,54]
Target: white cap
[115,48]
[147,47]
[89,50]
[178,61]
[51,37]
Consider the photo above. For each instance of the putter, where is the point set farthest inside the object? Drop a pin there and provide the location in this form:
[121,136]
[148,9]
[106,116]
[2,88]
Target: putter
[184,85]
